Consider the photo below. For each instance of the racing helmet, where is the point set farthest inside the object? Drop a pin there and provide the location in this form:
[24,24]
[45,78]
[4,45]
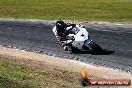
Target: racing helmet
[60,25]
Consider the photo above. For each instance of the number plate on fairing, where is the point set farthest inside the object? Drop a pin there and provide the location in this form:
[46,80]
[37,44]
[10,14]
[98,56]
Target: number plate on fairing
[74,30]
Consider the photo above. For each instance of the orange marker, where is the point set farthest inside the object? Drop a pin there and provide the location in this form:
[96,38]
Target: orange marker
[84,73]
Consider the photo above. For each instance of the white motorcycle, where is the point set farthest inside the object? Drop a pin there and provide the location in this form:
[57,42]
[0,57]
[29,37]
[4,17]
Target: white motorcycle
[80,40]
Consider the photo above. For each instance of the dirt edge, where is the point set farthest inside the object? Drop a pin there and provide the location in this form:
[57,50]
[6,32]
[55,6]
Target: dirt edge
[67,64]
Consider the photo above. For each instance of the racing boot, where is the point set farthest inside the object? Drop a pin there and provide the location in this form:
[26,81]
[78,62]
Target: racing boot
[65,48]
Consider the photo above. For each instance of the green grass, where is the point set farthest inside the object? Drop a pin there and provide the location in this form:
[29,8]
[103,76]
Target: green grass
[13,75]
[16,75]
[97,10]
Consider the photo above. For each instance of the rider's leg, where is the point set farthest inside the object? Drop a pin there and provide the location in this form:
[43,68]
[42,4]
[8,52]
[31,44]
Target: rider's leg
[86,45]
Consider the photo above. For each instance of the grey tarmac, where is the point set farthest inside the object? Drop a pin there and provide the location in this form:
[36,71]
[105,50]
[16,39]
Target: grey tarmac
[115,39]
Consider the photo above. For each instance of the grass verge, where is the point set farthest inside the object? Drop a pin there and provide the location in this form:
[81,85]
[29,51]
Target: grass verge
[97,10]
[33,74]
[21,69]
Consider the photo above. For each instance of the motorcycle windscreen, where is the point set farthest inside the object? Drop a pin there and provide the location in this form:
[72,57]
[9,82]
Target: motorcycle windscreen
[74,30]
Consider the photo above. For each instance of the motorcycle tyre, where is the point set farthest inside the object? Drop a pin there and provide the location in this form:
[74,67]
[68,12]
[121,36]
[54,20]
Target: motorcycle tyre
[95,48]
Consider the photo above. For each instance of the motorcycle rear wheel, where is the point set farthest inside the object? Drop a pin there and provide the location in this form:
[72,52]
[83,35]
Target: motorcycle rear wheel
[95,48]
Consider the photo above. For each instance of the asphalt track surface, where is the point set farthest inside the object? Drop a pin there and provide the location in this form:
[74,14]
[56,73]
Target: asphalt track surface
[116,40]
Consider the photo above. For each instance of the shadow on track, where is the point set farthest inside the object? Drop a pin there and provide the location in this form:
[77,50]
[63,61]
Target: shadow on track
[103,52]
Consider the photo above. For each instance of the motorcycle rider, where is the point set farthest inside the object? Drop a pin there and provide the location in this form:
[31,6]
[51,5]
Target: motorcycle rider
[60,32]
[62,29]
